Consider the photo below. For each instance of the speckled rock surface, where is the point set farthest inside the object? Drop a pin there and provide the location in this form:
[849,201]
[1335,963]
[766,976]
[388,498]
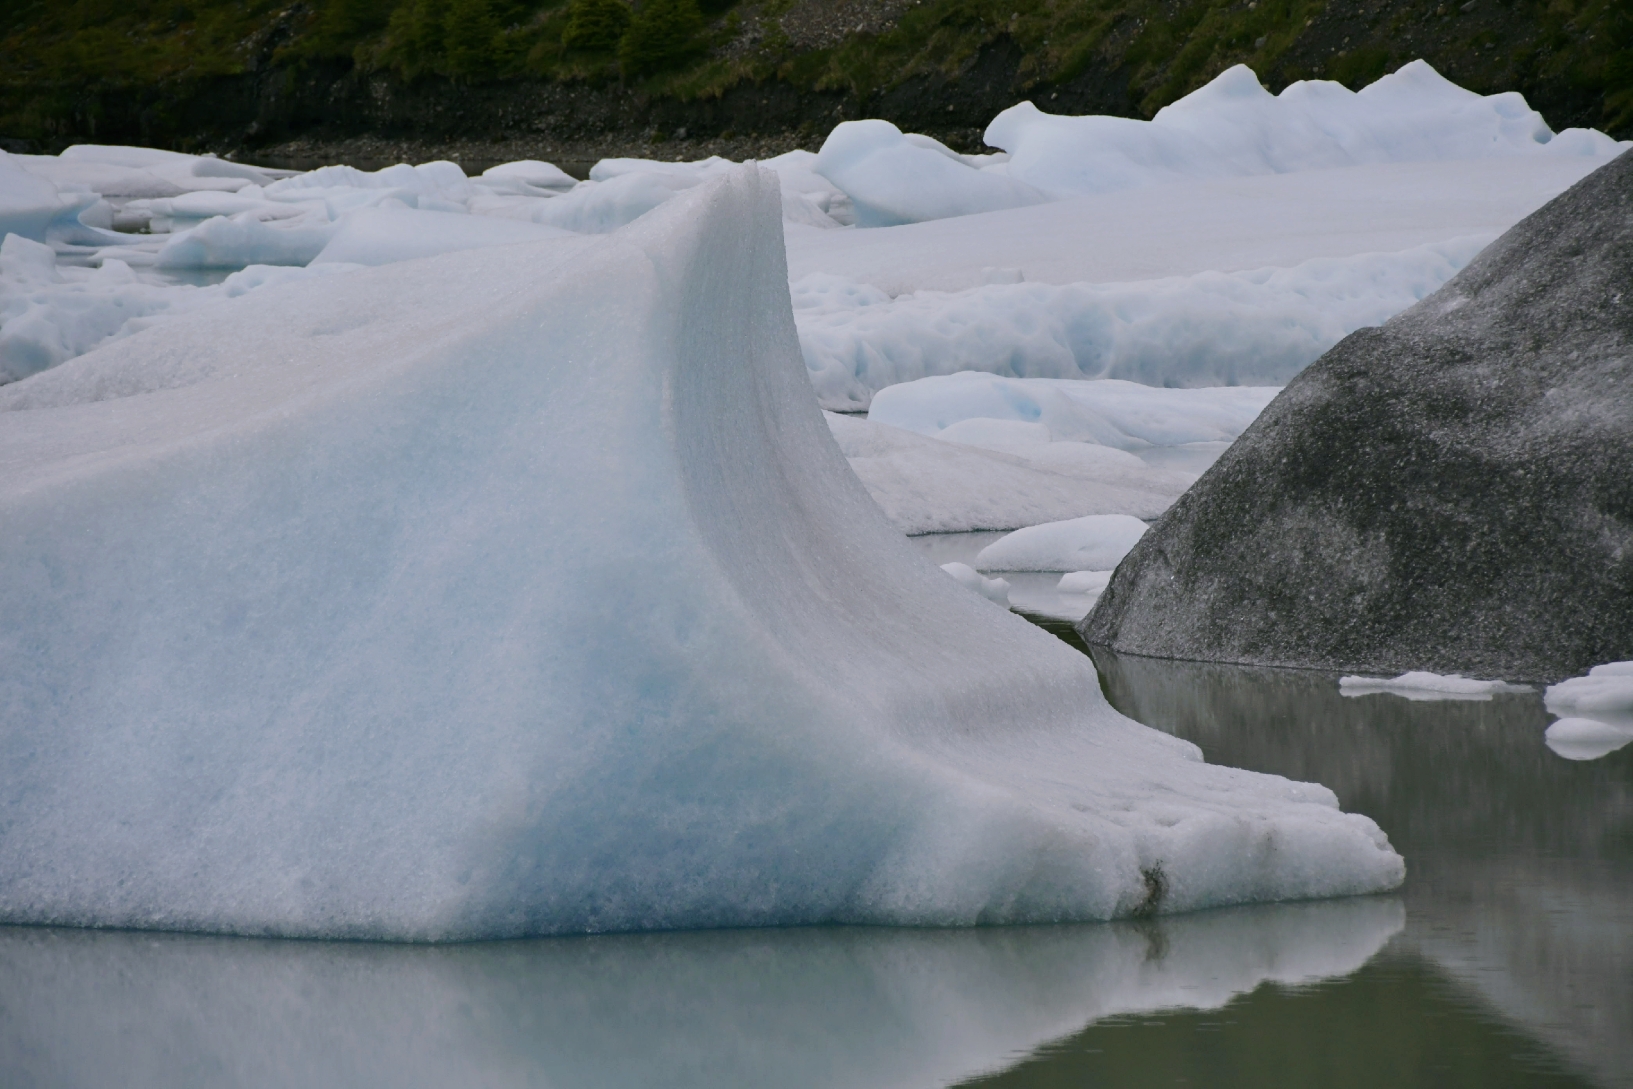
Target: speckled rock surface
[1452,491]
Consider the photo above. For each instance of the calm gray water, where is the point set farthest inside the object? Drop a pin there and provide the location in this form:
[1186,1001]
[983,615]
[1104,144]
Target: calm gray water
[1506,960]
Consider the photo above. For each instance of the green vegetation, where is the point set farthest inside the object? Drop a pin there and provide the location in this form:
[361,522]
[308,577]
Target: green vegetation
[65,62]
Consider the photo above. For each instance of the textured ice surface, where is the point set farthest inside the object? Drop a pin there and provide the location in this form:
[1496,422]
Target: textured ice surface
[1257,327]
[928,485]
[1094,543]
[321,621]
[50,313]
[806,1008]
[1418,685]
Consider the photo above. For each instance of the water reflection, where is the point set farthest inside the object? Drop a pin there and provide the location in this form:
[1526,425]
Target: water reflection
[1520,864]
[1506,960]
[816,1007]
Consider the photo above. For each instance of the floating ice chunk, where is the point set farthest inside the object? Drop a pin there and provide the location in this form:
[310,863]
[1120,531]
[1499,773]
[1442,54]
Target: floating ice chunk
[995,590]
[1419,685]
[1084,582]
[924,485]
[504,592]
[1259,327]
[893,178]
[243,240]
[536,175]
[1596,710]
[1234,127]
[1586,738]
[1606,689]
[1094,543]
[379,236]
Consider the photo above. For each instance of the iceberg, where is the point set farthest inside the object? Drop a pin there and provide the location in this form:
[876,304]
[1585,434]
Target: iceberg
[1234,127]
[523,591]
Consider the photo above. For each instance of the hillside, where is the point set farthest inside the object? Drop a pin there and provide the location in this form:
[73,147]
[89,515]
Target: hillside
[580,78]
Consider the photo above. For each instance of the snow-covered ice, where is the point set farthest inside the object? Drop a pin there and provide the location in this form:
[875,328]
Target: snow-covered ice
[1419,685]
[1093,543]
[321,621]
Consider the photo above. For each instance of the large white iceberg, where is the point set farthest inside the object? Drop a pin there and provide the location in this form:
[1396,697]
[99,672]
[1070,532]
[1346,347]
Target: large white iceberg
[1234,127]
[523,591]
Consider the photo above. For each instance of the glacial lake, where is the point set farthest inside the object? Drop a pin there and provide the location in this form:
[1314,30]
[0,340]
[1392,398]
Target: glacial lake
[1505,960]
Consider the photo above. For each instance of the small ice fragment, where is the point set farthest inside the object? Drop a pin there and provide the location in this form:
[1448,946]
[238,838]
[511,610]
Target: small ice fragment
[995,590]
[1419,685]
[1083,582]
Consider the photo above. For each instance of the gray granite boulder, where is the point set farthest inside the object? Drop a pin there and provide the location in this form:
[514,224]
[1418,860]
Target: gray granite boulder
[1452,491]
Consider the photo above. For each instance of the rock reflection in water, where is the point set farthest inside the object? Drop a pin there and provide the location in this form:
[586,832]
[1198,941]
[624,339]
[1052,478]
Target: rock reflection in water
[816,1007]
[1519,863]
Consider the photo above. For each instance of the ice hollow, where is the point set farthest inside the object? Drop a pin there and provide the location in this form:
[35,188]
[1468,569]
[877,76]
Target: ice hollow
[524,591]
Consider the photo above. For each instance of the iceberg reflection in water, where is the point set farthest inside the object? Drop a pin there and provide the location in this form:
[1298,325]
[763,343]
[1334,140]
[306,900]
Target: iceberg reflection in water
[859,1007]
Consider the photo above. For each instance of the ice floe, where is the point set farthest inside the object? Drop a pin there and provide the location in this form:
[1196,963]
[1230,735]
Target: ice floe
[1596,712]
[505,592]
[1419,685]
[1093,543]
